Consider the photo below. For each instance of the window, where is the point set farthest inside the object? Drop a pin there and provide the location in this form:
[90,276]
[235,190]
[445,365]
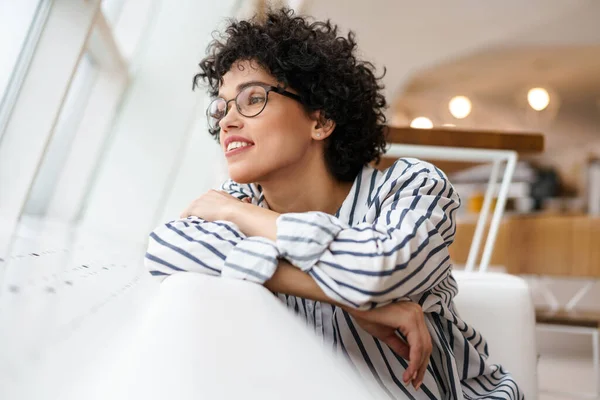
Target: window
[66,128]
[70,62]
[20,24]
[112,10]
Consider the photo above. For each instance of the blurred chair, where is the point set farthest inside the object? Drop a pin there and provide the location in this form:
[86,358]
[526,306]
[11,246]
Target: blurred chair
[500,306]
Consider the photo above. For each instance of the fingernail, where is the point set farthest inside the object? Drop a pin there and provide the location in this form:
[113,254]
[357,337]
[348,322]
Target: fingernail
[414,376]
[418,385]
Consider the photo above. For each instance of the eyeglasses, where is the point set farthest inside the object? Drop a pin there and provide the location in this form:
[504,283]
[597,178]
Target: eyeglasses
[249,102]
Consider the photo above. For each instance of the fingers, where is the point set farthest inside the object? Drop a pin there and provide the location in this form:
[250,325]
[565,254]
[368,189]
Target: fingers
[397,346]
[408,324]
[427,347]
[415,343]
[421,373]
[419,342]
[409,319]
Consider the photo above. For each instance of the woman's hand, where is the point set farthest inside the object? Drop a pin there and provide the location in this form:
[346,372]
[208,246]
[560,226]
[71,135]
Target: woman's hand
[214,205]
[408,318]
[252,220]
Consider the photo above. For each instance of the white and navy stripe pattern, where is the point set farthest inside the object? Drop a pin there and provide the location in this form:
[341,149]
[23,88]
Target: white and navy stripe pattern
[254,259]
[388,242]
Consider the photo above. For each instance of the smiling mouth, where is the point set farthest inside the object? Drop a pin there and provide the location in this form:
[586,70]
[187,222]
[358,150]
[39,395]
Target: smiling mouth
[237,147]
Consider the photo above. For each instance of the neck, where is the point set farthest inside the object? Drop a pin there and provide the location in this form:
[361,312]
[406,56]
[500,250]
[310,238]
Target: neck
[302,188]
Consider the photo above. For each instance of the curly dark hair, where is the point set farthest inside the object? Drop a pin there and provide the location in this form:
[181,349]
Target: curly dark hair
[322,67]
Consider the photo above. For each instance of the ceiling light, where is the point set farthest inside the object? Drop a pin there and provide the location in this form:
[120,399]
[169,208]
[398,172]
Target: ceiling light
[460,107]
[421,123]
[538,98]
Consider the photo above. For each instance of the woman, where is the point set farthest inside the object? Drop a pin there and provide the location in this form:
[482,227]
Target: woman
[361,255]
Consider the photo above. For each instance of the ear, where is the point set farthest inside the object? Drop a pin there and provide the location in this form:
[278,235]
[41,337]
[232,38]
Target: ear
[322,127]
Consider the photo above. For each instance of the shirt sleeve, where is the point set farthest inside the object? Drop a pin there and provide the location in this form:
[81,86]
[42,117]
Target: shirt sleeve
[191,245]
[403,253]
[254,259]
[196,245]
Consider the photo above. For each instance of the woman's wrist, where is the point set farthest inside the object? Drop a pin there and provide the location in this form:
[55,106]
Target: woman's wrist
[254,220]
[234,211]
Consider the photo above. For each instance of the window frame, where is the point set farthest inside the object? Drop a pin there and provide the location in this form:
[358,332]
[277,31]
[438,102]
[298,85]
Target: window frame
[8,99]
[42,83]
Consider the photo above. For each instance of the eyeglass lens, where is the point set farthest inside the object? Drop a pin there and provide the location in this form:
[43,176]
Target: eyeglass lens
[250,102]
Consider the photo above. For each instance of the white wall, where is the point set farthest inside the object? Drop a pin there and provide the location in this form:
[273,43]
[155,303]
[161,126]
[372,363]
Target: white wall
[154,122]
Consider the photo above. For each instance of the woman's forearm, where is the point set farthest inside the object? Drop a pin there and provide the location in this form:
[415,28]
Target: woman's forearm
[258,221]
[254,221]
[292,281]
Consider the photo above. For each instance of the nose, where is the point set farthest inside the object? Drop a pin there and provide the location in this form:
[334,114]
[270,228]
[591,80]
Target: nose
[231,119]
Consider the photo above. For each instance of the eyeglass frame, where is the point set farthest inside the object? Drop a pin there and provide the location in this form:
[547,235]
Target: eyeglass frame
[268,89]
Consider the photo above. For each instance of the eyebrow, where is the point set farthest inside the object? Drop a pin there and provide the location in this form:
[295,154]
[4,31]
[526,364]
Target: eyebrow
[244,85]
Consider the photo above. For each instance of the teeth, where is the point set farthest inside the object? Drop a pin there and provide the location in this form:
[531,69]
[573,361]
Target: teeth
[236,145]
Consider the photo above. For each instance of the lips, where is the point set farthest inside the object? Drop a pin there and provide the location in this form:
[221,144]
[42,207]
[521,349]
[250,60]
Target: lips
[236,144]
[237,150]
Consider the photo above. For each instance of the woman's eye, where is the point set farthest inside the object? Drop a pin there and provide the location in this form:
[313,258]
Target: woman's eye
[256,99]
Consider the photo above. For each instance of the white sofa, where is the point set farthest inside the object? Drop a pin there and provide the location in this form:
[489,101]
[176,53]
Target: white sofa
[197,340]
[211,338]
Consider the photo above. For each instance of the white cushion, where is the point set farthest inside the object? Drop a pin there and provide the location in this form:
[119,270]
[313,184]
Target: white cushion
[212,338]
[500,306]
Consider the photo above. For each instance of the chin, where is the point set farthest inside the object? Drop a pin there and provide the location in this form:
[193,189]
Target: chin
[242,175]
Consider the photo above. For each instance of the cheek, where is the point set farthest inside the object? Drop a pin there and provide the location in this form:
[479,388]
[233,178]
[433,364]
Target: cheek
[279,143]
[274,151]
[285,143]
[282,142]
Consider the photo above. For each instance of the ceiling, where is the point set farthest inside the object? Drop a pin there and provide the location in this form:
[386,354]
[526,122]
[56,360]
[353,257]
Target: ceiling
[473,45]
[573,71]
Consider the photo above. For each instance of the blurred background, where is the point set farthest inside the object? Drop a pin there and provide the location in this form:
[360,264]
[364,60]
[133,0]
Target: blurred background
[102,137]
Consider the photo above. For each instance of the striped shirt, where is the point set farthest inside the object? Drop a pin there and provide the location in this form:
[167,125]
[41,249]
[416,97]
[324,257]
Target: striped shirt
[388,242]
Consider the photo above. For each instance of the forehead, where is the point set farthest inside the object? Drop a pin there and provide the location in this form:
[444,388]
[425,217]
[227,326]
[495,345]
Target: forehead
[240,73]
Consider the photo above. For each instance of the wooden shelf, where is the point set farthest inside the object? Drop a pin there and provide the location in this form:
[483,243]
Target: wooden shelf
[477,139]
[523,143]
